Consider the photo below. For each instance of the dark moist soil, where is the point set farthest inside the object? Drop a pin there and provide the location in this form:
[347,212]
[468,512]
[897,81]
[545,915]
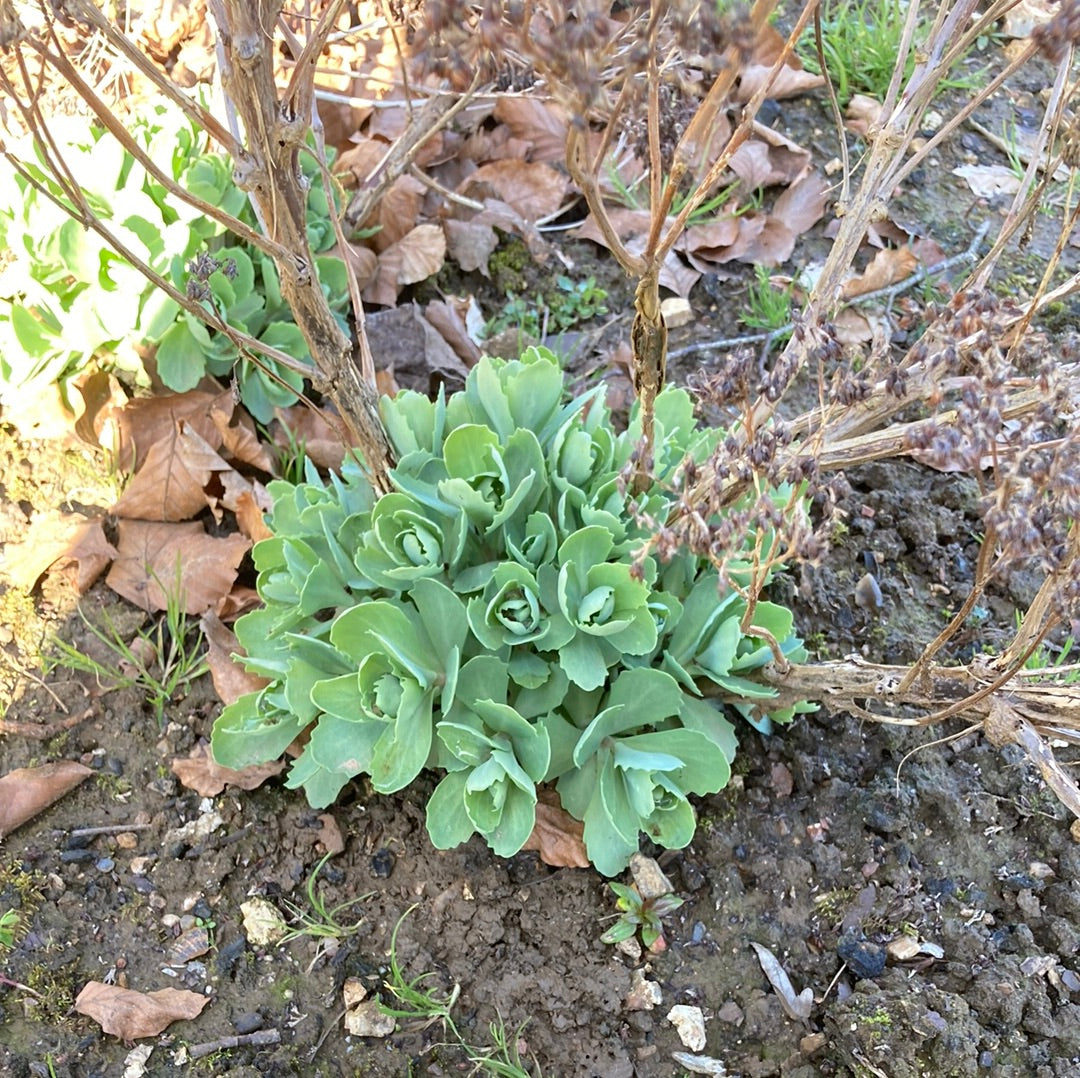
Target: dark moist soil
[833,840]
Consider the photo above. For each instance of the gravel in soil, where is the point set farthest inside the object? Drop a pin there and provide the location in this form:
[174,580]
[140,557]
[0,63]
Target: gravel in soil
[929,898]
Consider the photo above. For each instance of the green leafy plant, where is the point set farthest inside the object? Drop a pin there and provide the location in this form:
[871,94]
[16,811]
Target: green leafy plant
[9,927]
[495,617]
[861,41]
[638,914]
[68,298]
[569,303]
[159,661]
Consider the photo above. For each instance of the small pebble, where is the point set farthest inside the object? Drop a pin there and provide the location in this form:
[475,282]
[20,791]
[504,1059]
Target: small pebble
[229,955]
[986,1060]
[127,840]
[248,1023]
[76,857]
[382,864]
[106,864]
[689,1023]
[202,910]
[866,960]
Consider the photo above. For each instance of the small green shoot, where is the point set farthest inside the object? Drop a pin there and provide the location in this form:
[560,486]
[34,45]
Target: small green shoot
[502,1058]
[644,915]
[1051,662]
[570,303]
[323,922]
[9,928]
[160,660]
[416,1000]
[768,307]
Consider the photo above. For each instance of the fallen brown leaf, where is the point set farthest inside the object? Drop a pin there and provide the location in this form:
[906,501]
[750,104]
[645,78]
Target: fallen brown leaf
[200,772]
[231,680]
[421,359]
[27,791]
[148,420]
[888,266]
[449,318]
[531,189]
[130,1015]
[148,554]
[172,482]
[557,835]
[417,256]
[330,833]
[53,537]
[540,123]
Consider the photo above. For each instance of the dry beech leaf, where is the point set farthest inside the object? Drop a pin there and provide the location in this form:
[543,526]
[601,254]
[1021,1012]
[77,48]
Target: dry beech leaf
[363,261]
[418,255]
[541,124]
[240,440]
[231,680]
[330,834]
[557,836]
[888,266]
[149,420]
[406,341]
[27,791]
[531,189]
[862,113]
[239,601]
[147,559]
[795,1006]
[769,159]
[129,1015]
[172,482]
[54,536]
[470,244]
[448,317]
[988,181]
[250,515]
[200,772]
[397,211]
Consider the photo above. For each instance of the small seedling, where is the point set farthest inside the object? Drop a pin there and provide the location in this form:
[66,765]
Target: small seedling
[644,915]
[570,303]
[416,1000]
[768,307]
[9,927]
[160,660]
[322,923]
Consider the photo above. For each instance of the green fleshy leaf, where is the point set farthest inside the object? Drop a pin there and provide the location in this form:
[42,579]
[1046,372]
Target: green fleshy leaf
[246,734]
[448,823]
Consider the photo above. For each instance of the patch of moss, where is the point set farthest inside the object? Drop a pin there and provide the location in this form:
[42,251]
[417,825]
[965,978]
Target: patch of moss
[509,264]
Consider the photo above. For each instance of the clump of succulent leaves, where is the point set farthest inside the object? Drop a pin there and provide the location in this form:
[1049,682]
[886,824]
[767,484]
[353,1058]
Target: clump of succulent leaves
[67,299]
[487,618]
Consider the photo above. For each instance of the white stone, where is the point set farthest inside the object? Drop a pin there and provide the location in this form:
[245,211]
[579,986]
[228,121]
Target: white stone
[689,1023]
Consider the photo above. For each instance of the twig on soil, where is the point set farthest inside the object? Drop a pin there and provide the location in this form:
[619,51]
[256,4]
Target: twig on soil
[259,1037]
[40,682]
[109,829]
[920,275]
[42,731]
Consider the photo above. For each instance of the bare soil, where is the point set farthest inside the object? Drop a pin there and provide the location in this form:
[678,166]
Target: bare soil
[833,840]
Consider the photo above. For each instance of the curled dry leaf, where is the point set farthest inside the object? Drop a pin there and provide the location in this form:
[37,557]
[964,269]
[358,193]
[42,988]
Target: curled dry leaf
[988,181]
[889,265]
[231,680]
[148,420]
[148,554]
[415,257]
[542,124]
[130,1015]
[26,791]
[54,536]
[533,190]
[557,835]
[199,771]
[795,1006]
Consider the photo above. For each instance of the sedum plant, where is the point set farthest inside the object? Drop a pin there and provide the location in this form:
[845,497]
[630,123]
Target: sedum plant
[495,618]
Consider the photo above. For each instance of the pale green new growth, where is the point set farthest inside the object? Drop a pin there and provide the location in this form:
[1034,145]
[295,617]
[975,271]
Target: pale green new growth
[494,617]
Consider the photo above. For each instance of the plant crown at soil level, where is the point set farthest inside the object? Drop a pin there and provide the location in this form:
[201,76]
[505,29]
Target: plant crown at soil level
[486,618]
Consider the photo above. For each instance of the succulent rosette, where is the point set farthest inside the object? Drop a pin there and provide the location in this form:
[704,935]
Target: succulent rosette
[493,617]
